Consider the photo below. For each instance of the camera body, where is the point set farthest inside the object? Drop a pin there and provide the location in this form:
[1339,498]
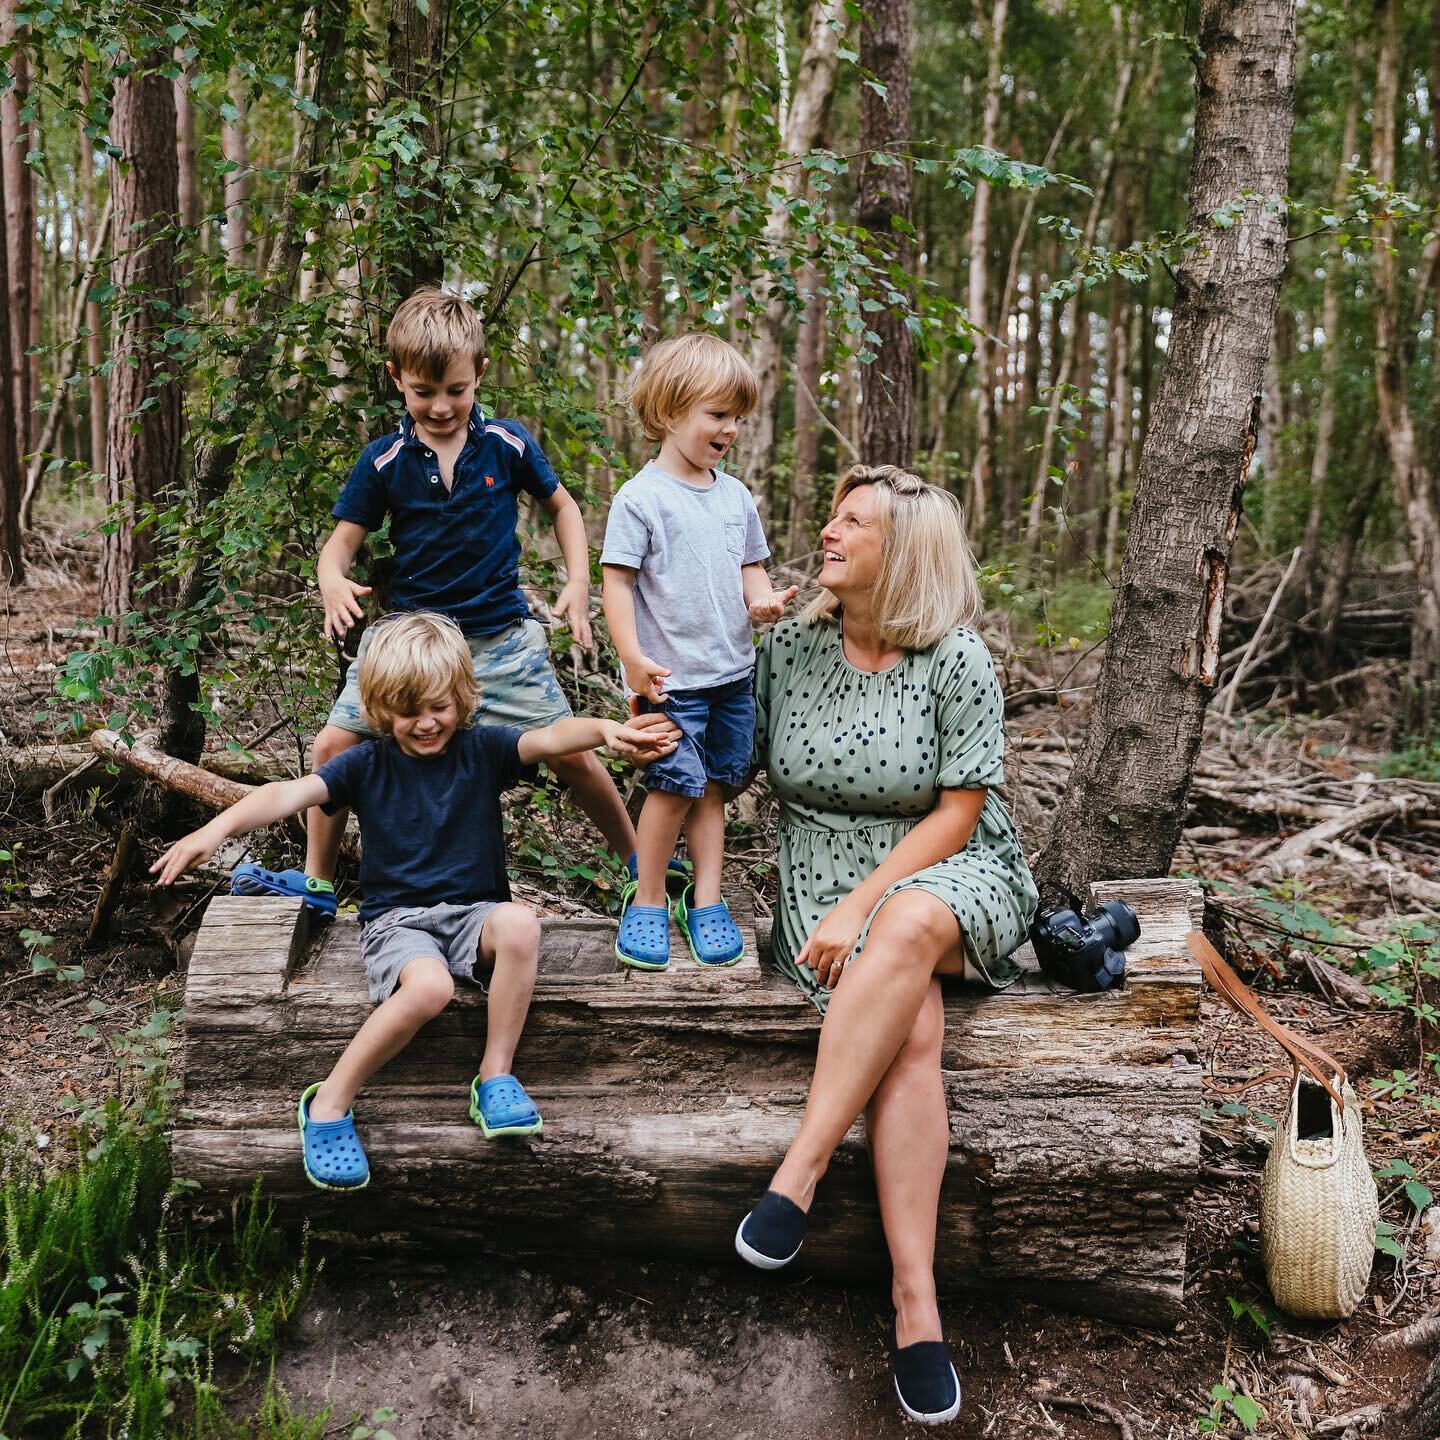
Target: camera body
[1085,952]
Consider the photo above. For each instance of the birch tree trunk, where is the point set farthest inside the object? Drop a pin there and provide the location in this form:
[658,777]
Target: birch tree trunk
[1329,365]
[814,85]
[142,446]
[1414,482]
[235,145]
[809,363]
[415,36]
[1122,811]
[887,410]
[982,467]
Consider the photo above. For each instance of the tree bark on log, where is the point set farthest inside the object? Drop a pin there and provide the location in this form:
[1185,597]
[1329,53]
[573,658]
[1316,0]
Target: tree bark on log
[887,404]
[668,1100]
[1124,807]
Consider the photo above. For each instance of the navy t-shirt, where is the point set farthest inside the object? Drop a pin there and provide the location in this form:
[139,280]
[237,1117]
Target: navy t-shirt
[456,550]
[430,823]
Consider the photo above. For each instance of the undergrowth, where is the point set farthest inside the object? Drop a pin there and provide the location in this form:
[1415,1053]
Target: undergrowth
[114,1320]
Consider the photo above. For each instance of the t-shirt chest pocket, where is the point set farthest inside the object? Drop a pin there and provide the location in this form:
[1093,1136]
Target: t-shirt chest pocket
[735,537]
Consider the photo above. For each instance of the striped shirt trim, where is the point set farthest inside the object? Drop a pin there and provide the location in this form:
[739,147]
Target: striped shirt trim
[513,441]
[381,461]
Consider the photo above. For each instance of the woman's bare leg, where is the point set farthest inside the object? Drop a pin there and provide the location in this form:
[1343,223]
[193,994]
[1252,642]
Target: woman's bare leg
[909,1136]
[874,1008]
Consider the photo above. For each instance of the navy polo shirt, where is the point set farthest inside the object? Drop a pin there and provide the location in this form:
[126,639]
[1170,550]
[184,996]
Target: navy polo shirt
[430,824]
[456,550]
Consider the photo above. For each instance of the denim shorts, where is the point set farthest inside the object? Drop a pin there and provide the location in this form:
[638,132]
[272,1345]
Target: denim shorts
[717,728]
[512,668]
[449,933]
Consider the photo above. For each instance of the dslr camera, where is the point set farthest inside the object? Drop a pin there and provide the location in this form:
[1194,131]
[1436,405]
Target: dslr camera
[1085,952]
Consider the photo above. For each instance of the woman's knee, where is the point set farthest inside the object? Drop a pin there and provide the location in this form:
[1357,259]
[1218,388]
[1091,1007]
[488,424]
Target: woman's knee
[333,740]
[913,929]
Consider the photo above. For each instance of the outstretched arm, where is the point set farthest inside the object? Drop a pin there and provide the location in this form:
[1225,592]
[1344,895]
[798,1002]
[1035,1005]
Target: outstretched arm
[261,807]
[339,592]
[642,739]
[573,602]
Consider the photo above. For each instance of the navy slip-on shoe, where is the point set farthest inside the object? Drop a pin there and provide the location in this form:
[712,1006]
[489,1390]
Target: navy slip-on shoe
[772,1233]
[926,1384]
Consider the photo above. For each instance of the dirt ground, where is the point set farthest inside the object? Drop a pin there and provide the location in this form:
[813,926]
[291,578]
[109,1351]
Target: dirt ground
[466,1345]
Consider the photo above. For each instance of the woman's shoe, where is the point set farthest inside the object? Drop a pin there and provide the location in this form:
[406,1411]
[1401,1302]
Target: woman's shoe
[772,1233]
[926,1384]
[644,939]
[714,937]
[333,1156]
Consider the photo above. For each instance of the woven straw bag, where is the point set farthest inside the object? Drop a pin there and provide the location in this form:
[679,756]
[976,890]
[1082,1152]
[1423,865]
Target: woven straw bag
[1318,1202]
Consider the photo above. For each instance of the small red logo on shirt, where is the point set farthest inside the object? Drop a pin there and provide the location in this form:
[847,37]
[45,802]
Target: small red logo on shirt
[489,479]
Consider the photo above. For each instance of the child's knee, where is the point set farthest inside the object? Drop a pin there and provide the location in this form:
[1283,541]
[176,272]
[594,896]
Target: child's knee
[333,740]
[514,930]
[426,985]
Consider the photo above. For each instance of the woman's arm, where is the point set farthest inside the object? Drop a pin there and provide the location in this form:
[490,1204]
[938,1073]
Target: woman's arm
[261,807]
[944,832]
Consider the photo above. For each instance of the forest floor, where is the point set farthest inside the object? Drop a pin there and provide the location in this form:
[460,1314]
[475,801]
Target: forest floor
[466,1345]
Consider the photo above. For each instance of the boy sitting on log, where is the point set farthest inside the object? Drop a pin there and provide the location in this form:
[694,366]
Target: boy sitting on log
[432,870]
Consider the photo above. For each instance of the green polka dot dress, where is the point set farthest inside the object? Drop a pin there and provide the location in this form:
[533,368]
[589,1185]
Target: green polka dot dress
[856,759]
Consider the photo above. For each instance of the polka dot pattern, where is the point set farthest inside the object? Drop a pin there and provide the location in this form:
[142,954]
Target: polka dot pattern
[856,759]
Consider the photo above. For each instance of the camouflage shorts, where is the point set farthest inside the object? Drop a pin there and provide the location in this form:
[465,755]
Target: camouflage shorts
[517,684]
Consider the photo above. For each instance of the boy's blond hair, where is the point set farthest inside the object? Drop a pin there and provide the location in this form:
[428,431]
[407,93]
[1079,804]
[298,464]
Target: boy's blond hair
[431,330]
[682,372]
[411,659]
[926,585]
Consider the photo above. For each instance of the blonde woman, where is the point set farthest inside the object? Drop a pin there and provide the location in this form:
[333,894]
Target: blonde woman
[879,722]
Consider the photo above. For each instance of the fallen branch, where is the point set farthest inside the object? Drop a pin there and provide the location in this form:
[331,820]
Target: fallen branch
[1227,704]
[1290,855]
[213,791]
[1086,1407]
[1415,1336]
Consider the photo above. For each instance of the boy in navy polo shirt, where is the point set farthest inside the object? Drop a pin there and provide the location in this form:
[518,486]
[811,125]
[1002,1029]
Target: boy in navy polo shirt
[450,480]
[436,900]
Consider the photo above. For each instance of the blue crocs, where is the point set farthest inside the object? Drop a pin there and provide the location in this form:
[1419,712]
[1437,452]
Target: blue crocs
[501,1107]
[252,879]
[715,938]
[677,873]
[644,939]
[334,1159]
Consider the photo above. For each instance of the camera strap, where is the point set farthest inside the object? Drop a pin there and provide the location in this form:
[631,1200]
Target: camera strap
[1305,1055]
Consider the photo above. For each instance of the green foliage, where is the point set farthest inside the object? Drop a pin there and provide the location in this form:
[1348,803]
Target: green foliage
[1247,1411]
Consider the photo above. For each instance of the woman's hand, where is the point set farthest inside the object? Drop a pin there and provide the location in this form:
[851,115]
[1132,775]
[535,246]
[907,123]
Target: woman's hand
[832,942]
[644,738]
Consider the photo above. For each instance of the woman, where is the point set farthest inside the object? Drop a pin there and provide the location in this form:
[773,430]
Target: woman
[880,727]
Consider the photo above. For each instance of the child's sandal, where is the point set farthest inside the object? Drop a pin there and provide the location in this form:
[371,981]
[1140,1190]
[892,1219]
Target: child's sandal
[500,1106]
[252,879]
[334,1157]
[644,939]
[714,937]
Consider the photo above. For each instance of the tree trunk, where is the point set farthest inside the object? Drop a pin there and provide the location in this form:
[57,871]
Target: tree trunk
[1329,364]
[1417,1417]
[235,146]
[142,447]
[1074,1119]
[415,35]
[809,108]
[94,338]
[1414,483]
[12,563]
[887,410]
[982,466]
[19,222]
[804,492]
[1123,808]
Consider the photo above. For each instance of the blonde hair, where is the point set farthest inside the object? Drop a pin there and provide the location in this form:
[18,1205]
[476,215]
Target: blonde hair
[411,659]
[682,372]
[926,586]
[431,330]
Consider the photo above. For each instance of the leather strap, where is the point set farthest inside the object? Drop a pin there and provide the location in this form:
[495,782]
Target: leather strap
[1304,1054]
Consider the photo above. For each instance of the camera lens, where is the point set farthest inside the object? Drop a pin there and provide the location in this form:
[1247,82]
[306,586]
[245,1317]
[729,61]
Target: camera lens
[1124,922]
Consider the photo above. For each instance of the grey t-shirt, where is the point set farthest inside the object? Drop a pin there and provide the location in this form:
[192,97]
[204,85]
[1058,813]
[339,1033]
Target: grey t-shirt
[686,544]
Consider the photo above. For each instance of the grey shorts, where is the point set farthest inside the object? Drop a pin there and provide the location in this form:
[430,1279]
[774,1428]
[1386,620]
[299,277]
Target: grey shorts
[517,682]
[450,933]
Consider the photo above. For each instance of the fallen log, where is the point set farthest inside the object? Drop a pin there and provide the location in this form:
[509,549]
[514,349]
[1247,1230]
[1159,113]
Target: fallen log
[668,1100]
[31,770]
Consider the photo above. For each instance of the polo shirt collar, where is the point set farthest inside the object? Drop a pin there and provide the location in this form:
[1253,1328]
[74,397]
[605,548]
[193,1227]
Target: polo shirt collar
[409,436]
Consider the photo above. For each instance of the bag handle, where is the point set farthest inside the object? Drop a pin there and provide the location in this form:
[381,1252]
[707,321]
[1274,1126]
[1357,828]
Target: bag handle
[1304,1054]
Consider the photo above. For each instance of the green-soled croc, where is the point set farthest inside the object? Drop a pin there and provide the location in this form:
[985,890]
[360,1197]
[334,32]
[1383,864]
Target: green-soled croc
[500,1106]
[334,1157]
[714,937]
[644,939]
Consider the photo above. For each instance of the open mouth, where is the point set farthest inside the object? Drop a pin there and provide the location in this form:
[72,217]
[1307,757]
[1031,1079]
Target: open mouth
[834,555]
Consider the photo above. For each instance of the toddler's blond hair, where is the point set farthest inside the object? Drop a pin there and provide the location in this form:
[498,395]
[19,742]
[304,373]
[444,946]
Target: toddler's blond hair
[411,659]
[431,330]
[682,372]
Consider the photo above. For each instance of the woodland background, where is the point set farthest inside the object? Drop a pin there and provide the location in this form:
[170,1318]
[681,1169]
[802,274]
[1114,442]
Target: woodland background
[1152,287]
